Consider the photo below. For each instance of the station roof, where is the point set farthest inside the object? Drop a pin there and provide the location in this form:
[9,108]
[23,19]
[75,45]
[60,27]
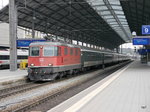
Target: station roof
[111,11]
[74,19]
[137,13]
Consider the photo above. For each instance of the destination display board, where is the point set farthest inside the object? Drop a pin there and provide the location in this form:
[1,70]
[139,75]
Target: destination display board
[26,42]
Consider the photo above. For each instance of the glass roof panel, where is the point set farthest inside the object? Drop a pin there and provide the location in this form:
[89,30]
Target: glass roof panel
[109,10]
[109,17]
[119,12]
[113,23]
[121,16]
[123,22]
[110,20]
[105,12]
[113,1]
[101,7]
[116,7]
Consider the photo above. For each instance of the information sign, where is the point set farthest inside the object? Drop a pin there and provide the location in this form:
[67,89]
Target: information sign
[145,29]
[141,41]
[26,43]
[143,51]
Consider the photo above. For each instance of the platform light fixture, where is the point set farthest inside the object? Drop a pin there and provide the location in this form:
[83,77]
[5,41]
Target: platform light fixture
[133,33]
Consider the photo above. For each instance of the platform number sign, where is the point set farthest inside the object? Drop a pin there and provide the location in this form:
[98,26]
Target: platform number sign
[145,29]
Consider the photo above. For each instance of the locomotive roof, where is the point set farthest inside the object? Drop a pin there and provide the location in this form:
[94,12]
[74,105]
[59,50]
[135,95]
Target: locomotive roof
[54,43]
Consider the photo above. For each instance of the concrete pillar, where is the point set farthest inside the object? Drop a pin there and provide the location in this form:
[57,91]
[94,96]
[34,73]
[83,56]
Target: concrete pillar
[13,34]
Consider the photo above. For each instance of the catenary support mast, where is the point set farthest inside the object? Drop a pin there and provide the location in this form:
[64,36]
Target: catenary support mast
[13,34]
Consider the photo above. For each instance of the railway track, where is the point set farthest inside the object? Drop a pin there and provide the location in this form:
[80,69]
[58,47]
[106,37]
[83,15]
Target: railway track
[39,100]
[45,98]
[17,89]
[9,91]
[42,99]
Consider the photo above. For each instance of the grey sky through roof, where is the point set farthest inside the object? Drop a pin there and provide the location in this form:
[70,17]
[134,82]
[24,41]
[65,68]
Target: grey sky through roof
[111,11]
[3,3]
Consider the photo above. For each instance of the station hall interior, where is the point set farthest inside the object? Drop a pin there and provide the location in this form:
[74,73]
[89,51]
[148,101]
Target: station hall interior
[47,40]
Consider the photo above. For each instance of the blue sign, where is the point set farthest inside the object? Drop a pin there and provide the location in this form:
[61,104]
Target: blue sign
[145,29]
[141,41]
[26,43]
[143,51]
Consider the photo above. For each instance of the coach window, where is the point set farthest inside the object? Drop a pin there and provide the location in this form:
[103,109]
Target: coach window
[79,51]
[34,51]
[71,51]
[4,57]
[76,51]
[65,51]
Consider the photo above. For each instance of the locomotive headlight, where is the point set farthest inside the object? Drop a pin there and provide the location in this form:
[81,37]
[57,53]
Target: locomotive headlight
[32,64]
[50,64]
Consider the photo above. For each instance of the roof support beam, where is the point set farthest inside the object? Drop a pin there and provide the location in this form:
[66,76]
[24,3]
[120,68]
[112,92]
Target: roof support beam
[100,5]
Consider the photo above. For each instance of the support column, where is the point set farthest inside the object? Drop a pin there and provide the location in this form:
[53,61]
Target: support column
[90,46]
[82,44]
[13,34]
[117,49]
[33,25]
[65,40]
[77,42]
[121,49]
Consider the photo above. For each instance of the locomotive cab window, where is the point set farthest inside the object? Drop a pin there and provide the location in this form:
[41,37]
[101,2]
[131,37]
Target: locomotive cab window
[50,51]
[34,51]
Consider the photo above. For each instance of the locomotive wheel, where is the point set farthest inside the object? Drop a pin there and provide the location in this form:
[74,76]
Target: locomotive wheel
[55,76]
[61,74]
[71,72]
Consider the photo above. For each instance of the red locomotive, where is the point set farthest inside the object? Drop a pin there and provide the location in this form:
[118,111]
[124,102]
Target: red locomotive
[49,60]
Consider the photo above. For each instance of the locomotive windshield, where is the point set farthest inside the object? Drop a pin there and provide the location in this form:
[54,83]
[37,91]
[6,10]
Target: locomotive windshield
[34,51]
[50,51]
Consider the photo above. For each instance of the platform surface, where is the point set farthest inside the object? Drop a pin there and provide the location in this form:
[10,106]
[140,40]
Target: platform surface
[127,90]
[8,76]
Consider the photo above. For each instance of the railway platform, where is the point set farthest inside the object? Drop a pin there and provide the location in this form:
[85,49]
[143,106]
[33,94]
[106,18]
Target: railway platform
[126,90]
[7,77]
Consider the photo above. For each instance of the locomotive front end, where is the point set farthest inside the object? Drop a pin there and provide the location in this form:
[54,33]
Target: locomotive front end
[42,62]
